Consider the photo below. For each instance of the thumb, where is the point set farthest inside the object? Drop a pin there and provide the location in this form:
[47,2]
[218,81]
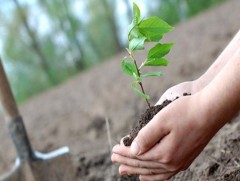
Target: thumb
[149,135]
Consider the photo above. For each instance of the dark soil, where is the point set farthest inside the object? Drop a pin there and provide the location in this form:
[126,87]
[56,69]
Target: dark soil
[86,169]
[145,118]
[220,164]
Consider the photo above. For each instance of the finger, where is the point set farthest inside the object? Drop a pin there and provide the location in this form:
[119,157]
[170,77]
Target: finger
[149,135]
[125,169]
[116,158]
[123,150]
[157,177]
[163,151]
[160,152]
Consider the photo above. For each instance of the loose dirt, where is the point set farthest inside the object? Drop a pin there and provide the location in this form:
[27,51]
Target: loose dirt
[74,113]
[145,118]
[143,121]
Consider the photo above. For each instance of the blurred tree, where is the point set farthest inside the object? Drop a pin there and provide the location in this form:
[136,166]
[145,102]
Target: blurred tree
[102,28]
[98,29]
[40,56]
[169,10]
[129,10]
[109,7]
[23,47]
[35,45]
[25,78]
[199,5]
[69,26]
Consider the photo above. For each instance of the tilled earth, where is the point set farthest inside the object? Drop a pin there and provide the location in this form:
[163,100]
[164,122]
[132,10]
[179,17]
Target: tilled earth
[74,113]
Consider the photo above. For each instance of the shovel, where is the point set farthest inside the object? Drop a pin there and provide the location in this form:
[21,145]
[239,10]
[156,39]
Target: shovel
[30,165]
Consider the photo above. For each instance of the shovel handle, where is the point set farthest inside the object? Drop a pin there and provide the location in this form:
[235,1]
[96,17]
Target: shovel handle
[6,97]
[14,121]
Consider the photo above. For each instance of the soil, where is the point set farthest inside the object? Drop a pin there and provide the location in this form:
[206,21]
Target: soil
[143,121]
[73,114]
[145,118]
[87,167]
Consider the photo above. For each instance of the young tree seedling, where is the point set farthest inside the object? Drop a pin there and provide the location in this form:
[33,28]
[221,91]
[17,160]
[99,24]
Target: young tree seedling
[141,31]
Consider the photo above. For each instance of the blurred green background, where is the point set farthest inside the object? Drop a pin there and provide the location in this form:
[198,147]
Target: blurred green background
[45,42]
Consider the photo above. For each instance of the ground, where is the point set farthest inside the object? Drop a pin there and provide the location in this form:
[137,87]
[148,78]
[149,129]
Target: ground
[74,113]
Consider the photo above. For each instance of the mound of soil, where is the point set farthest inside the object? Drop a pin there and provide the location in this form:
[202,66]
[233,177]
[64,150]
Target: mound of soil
[100,168]
[223,163]
[219,163]
[145,118]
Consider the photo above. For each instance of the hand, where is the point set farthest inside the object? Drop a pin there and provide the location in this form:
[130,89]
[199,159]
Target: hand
[179,89]
[183,131]
[177,134]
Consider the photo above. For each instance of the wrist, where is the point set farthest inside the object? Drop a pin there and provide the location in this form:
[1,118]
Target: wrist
[211,116]
[198,85]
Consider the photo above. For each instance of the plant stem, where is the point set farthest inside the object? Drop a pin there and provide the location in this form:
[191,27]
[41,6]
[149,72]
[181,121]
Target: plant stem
[140,83]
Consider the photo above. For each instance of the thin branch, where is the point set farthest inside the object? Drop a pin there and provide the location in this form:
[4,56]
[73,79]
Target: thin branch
[140,83]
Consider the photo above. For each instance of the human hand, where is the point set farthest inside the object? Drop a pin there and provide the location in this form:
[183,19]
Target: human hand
[177,134]
[178,90]
[183,131]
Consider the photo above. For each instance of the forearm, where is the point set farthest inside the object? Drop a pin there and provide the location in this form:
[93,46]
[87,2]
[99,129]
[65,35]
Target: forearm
[221,96]
[220,62]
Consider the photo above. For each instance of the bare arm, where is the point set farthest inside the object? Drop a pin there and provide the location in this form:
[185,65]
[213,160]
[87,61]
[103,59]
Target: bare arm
[198,84]
[220,62]
[224,90]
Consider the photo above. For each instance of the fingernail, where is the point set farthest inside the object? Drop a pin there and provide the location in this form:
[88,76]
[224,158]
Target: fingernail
[135,150]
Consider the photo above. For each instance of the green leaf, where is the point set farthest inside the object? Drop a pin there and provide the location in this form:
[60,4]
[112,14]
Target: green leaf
[151,74]
[137,78]
[154,38]
[133,31]
[137,44]
[156,62]
[137,14]
[154,28]
[134,87]
[128,68]
[159,50]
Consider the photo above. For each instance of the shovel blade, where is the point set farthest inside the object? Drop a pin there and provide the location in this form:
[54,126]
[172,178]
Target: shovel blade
[54,166]
[56,169]
[20,172]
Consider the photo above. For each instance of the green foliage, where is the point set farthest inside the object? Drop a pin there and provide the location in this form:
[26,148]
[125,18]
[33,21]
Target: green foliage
[169,10]
[175,11]
[199,5]
[140,93]
[129,68]
[152,74]
[140,31]
[137,43]
[75,40]
[159,50]
[156,62]
[149,30]
[154,28]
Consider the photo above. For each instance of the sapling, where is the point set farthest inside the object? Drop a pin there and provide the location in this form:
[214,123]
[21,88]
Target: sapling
[141,31]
